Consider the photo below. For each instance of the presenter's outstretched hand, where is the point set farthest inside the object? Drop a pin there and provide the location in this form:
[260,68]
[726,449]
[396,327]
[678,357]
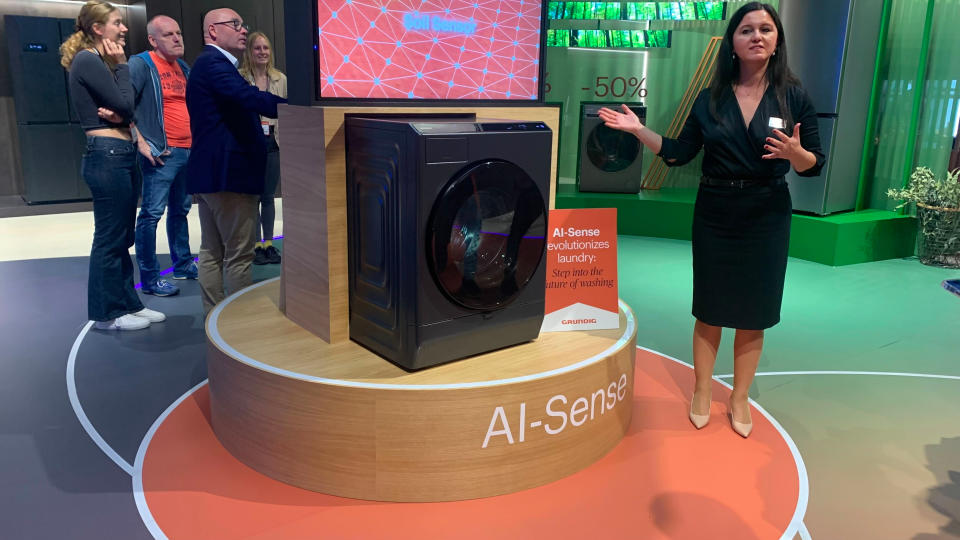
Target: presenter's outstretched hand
[623,121]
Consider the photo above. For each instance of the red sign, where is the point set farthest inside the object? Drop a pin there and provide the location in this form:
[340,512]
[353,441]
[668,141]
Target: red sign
[582,270]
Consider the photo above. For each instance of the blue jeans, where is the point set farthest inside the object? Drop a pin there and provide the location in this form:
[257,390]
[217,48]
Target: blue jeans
[164,186]
[110,170]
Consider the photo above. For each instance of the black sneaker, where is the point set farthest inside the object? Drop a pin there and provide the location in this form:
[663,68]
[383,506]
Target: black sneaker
[273,255]
[260,256]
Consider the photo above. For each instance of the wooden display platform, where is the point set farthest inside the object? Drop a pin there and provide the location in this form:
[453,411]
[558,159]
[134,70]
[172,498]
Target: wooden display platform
[338,419]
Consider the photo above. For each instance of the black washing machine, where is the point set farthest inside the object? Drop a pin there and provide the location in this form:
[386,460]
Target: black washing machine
[446,235]
[609,160]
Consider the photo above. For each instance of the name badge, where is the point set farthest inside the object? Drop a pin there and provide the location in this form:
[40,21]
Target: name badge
[776,123]
[266,127]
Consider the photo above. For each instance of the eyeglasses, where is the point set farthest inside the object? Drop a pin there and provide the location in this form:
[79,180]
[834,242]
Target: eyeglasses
[235,24]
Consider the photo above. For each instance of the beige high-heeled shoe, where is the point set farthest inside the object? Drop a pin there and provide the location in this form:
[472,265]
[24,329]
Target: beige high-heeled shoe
[698,420]
[742,429]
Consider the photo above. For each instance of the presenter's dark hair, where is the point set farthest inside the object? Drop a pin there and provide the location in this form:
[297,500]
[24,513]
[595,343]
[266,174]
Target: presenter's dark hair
[727,71]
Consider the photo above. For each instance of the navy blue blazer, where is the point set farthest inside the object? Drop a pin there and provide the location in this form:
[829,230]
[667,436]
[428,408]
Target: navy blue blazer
[229,151]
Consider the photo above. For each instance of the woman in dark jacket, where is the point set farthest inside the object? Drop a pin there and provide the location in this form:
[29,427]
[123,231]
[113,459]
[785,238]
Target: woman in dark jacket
[754,123]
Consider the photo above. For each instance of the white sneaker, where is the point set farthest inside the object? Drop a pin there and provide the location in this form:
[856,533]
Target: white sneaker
[124,322]
[150,315]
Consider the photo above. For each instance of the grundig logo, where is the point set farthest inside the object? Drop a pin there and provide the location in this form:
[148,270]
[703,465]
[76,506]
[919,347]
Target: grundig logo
[578,321]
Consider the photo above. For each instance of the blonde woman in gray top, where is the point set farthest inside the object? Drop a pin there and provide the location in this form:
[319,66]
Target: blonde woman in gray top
[257,68]
[103,97]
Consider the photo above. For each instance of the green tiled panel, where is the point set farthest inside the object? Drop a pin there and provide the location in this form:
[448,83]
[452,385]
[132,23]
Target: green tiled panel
[608,38]
[637,11]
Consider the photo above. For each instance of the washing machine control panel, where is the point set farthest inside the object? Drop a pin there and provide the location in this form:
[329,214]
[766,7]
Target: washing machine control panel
[447,128]
[513,126]
[440,128]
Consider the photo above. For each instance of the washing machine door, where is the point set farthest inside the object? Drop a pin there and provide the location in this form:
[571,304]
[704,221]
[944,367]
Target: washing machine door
[611,150]
[486,235]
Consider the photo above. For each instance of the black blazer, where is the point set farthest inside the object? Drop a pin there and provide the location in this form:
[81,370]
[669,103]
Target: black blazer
[229,150]
[733,150]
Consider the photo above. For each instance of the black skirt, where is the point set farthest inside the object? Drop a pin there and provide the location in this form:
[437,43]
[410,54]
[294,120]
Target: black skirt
[740,242]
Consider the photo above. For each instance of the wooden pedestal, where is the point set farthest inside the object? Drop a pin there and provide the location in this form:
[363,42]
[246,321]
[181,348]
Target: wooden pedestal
[336,418]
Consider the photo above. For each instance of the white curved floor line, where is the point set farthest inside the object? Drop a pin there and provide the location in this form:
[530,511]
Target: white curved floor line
[804,533]
[828,372]
[137,473]
[78,409]
[796,523]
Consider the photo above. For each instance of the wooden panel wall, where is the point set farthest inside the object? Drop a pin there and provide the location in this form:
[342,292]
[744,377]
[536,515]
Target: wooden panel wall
[305,273]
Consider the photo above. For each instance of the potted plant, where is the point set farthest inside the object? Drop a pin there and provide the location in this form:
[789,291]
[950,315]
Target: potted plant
[938,215]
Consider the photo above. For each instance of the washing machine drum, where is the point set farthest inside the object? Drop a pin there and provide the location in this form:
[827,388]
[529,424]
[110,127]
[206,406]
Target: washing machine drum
[486,235]
[611,150]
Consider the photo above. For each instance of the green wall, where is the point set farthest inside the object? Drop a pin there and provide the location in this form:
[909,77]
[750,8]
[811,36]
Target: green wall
[939,102]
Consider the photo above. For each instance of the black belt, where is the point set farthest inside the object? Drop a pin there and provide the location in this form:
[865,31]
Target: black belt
[741,183]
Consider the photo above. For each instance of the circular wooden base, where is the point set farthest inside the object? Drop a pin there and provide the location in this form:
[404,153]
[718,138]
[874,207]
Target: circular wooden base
[338,419]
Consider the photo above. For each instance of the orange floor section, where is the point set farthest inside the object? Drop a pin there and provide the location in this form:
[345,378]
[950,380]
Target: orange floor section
[664,480]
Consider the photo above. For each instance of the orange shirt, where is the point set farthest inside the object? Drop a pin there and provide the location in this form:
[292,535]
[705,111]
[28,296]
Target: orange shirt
[173,85]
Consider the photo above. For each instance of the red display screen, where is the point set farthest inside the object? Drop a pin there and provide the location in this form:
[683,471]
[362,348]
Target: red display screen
[429,49]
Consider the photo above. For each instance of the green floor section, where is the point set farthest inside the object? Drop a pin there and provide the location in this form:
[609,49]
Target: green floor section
[840,239]
[883,316]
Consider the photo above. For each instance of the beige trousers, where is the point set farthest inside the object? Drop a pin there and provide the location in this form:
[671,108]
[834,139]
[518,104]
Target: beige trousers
[228,226]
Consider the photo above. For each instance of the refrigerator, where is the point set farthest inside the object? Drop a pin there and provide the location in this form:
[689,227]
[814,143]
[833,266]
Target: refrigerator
[832,47]
[51,141]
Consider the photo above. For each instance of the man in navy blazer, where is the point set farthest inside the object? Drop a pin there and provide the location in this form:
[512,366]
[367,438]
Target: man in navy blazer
[227,160]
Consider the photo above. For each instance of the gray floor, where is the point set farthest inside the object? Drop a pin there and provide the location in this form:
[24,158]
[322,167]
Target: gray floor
[56,483]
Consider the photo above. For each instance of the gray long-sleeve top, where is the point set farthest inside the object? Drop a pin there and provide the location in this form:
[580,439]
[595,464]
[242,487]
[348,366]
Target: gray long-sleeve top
[93,84]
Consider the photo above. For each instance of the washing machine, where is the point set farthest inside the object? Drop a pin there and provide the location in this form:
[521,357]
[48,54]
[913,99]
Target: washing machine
[609,160]
[446,235]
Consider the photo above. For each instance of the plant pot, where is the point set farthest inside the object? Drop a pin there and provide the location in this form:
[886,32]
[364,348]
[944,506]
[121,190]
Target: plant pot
[938,236]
